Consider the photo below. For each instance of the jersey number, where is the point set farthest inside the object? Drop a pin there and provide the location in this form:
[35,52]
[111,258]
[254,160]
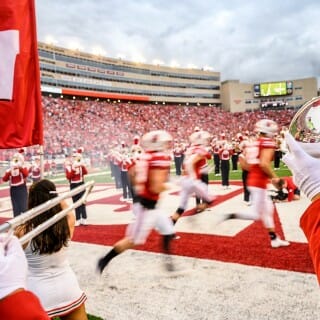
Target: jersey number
[252,153]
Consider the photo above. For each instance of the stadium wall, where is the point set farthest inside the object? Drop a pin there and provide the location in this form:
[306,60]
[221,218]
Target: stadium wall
[90,75]
[239,97]
[67,72]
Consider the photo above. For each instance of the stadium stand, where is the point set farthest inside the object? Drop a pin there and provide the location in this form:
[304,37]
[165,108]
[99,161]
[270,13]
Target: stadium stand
[98,126]
[98,103]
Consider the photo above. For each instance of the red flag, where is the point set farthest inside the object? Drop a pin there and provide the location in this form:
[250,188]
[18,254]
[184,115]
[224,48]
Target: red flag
[21,119]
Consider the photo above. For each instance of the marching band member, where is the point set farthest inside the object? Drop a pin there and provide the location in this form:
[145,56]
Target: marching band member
[17,176]
[75,173]
[178,152]
[225,155]
[216,147]
[136,145]
[114,157]
[136,153]
[235,153]
[35,170]
[125,164]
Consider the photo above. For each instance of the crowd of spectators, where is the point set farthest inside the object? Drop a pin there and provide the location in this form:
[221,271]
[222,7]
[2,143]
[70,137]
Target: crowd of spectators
[98,126]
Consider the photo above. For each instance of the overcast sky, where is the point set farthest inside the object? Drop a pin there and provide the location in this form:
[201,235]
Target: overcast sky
[252,41]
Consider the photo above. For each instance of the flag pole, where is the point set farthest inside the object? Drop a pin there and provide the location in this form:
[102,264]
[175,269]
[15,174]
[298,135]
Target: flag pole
[41,153]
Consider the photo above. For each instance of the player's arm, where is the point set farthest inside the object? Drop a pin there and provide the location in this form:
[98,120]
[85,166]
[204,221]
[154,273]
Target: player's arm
[157,180]
[244,165]
[266,157]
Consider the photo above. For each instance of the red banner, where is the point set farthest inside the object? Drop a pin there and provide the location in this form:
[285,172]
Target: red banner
[21,119]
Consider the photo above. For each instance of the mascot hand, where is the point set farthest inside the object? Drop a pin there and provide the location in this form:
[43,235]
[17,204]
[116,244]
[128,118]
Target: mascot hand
[303,167]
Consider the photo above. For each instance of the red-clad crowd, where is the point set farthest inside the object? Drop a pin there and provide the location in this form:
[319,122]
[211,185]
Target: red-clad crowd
[98,126]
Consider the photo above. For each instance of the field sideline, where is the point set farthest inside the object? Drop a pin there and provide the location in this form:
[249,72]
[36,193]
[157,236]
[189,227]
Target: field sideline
[225,271]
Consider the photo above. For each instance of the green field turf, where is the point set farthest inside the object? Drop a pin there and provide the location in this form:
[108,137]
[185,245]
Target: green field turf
[103,175]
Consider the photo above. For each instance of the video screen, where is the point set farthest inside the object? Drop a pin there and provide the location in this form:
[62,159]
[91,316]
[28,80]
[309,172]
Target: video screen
[271,89]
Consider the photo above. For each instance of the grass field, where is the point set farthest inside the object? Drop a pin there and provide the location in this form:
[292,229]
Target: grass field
[103,175]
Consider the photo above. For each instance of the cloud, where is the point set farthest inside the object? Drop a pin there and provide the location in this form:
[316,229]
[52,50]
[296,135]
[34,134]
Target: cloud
[245,40]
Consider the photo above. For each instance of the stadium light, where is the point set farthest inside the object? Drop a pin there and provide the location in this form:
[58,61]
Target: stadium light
[138,59]
[174,64]
[192,66]
[75,46]
[157,62]
[98,51]
[50,40]
[121,56]
[207,68]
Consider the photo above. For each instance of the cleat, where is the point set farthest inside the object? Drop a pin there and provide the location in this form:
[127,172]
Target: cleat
[221,217]
[277,243]
[201,207]
[101,265]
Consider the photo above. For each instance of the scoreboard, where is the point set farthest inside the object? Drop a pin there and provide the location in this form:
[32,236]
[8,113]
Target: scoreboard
[272,89]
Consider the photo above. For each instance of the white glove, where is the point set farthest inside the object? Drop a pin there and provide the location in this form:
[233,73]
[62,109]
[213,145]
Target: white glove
[304,168]
[13,265]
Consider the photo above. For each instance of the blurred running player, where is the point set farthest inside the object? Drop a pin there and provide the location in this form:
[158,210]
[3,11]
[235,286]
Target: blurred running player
[259,156]
[151,176]
[196,157]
